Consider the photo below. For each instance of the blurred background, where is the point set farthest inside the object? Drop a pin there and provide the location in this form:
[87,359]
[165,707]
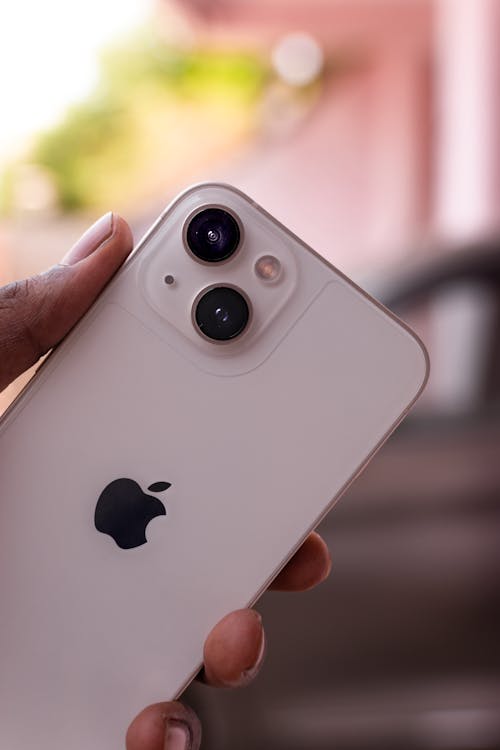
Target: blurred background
[372,129]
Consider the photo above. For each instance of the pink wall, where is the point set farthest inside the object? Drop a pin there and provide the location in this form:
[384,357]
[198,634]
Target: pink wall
[401,148]
[353,179]
[467,37]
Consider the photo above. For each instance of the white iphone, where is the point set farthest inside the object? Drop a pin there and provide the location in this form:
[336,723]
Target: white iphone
[172,454]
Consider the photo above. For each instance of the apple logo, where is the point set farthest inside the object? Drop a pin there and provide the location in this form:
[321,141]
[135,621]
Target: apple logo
[123,511]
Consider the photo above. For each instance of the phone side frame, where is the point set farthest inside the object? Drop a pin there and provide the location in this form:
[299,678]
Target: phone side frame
[30,387]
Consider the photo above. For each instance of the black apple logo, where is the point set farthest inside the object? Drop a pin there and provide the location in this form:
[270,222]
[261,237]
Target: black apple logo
[123,511]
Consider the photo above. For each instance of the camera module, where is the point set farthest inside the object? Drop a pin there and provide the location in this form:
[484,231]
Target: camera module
[213,235]
[222,313]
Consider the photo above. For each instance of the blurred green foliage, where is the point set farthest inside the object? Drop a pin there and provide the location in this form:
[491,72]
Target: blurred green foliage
[90,130]
[149,61]
[99,139]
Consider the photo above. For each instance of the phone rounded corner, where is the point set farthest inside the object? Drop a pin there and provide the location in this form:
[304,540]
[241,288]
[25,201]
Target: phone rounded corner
[205,185]
[426,363]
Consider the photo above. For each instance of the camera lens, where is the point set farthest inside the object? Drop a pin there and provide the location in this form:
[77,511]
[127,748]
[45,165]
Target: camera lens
[222,313]
[213,235]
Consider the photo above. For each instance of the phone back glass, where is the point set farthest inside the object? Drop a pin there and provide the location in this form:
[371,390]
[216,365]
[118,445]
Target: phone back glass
[256,445]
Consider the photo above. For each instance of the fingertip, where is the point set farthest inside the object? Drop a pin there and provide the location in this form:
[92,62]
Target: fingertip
[115,247]
[123,234]
[323,555]
[92,272]
[110,233]
[310,566]
[234,649]
[149,730]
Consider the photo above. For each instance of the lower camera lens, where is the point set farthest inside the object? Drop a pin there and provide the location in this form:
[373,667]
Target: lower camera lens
[222,313]
[213,235]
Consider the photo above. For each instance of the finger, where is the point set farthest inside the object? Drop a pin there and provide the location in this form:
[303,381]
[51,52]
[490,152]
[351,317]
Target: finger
[310,565]
[90,240]
[234,650]
[35,314]
[165,726]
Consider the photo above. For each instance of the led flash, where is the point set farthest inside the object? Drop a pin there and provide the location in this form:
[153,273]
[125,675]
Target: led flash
[268,268]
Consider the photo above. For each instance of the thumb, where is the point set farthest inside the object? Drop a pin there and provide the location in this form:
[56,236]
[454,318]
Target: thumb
[35,314]
[165,726]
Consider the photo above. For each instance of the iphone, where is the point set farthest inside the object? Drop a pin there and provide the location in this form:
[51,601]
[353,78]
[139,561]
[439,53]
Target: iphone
[172,454]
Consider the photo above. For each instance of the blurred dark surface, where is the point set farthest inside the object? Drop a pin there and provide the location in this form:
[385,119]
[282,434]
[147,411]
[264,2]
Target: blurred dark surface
[400,647]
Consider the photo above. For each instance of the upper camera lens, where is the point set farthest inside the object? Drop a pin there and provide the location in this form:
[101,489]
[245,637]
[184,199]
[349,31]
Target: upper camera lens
[222,313]
[213,235]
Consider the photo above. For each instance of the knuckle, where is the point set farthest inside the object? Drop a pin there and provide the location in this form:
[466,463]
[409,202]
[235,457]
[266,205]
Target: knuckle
[18,315]
[13,292]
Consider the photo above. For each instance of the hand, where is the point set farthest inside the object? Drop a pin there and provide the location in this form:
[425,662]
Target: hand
[35,314]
